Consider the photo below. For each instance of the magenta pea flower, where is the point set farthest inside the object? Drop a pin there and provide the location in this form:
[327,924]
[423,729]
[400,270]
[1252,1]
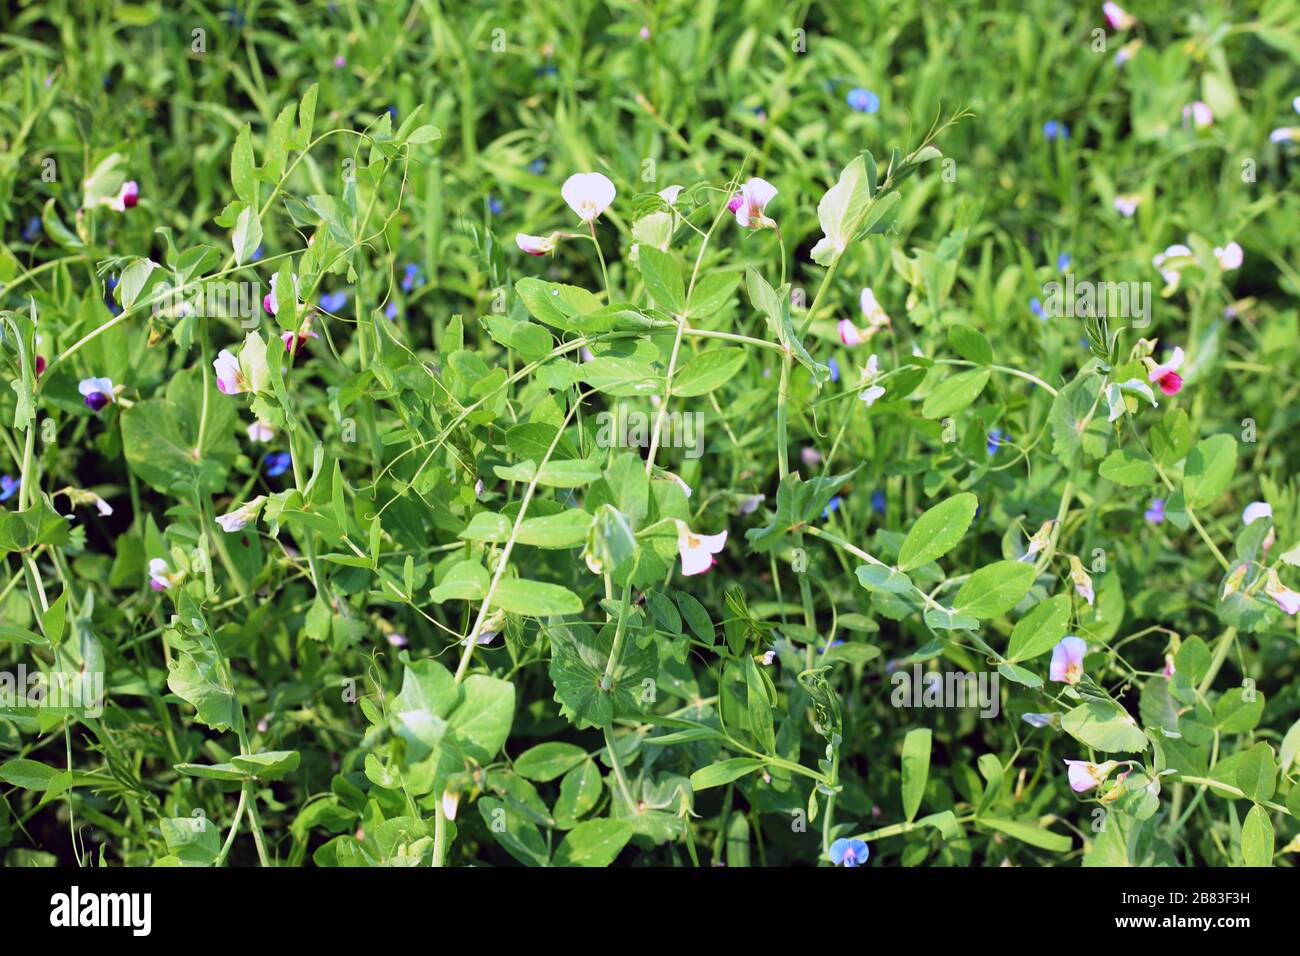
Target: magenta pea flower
[846,852]
[271,301]
[1084,774]
[127,197]
[588,194]
[750,204]
[697,550]
[295,341]
[1166,373]
[98,392]
[161,577]
[1067,660]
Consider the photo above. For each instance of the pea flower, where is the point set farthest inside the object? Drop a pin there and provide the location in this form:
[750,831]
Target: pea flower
[1199,113]
[1166,374]
[127,197]
[1156,512]
[395,639]
[1126,205]
[1127,52]
[1170,274]
[697,550]
[1284,134]
[271,301]
[588,194]
[1232,584]
[160,575]
[750,204]
[1117,17]
[1287,600]
[872,392]
[1039,541]
[1229,256]
[230,376]
[1040,720]
[9,486]
[1169,670]
[810,456]
[749,503]
[844,852]
[669,194]
[261,432]
[236,520]
[1084,775]
[536,245]
[295,341]
[1082,582]
[1256,510]
[97,391]
[864,101]
[1067,660]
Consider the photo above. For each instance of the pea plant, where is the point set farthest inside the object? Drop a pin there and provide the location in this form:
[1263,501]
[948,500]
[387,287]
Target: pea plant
[721,523]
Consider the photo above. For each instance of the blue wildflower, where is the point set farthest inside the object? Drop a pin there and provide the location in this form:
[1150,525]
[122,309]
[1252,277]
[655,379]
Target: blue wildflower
[257,254]
[846,852]
[1036,307]
[1055,129]
[1156,513]
[832,506]
[878,501]
[537,167]
[109,285]
[864,101]
[276,463]
[390,311]
[333,301]
[996,437]
[494,205]
[32,231]
[1063,261]
[8,486]
[412,278]
[835,369]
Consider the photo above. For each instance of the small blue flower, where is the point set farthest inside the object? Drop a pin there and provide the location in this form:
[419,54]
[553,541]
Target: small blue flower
[1063,261]
[8,486]
[1036,307]
[392,112]
[835,369]
[832,506]
[257,254]
[996,437]
[846,852]
[390,311]
[412,278]
[864,101]
[878,501]
[333,301]
[1156,513]
[276,463]
[1055,129]
[548,70]
[32,231]
[494,205]
[109,285]
[537,167]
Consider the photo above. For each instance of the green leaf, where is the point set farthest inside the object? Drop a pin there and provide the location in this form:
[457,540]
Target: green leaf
[194,841]
[549,760]
[1104,725]
[1257,773]
[1238,710]
[535,598]
[879,577]
[593,842]
[970,344]
[553,474]
[271,765]
[242,172]
[937,531]
[480,723]
[1257,838]
[1027,833]
[24,530]
[579,657]
[580,791]
[1040,630]
[28,774]
[798,503]
[1128,468]
[723,772]
[663,279]
[707,371]
[916,769]
[955,393]
[161,437]
[995,589]
[1209,470]
[518,835]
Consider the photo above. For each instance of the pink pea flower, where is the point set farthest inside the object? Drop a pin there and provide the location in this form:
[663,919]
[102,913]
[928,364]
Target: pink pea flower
[230,376]
[536,245]
[697,550]
[1199,114]
[1169,670]
[810,456]
[260,432]
[98,392]
[295,341]
[1287,600]
[1126,205]
[1171,275]
[1117,16]
[271,301]
[160,575]
[236,520]
[1067,660]
[1166,374]
[1081,580]
[397,640]
[1229,256]
[588,194]
[1084,775]
[127,197]
[750,204]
